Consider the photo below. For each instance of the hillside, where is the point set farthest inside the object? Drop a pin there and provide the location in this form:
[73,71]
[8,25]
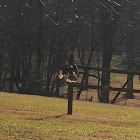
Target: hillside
[28,117]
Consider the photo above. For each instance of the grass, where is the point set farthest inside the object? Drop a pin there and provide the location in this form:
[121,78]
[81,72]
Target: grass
[27,117]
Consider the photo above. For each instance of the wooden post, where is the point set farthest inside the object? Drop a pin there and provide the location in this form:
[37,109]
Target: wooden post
[70,98]
[119,92]
[70,87]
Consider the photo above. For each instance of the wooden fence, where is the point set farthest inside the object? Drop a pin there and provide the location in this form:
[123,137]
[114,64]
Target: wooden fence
[122,89]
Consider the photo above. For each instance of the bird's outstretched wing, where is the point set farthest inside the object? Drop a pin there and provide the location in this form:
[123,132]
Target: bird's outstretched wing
[60,74]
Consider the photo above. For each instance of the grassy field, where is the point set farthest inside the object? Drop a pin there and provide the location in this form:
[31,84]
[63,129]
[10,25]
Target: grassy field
[26,117]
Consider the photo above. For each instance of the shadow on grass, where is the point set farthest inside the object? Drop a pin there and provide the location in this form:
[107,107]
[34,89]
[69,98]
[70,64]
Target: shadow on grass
[45,118]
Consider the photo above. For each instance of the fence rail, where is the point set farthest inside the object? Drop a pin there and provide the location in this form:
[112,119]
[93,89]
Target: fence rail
[109,70]
[122,89]
[106,88]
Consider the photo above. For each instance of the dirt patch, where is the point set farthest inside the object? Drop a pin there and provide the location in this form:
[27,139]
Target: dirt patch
[129,102]
[106,135]
[121,100]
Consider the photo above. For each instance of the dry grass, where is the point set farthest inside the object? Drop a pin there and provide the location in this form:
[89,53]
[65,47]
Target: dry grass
[25,117]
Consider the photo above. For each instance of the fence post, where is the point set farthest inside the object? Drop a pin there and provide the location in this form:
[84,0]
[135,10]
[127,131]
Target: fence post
[70,87]
[70,98]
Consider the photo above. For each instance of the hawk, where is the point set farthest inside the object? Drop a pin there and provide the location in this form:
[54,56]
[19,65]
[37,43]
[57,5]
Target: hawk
[71,71]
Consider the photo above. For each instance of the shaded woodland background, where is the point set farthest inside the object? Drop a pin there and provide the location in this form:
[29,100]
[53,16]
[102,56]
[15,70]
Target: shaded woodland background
[37,36]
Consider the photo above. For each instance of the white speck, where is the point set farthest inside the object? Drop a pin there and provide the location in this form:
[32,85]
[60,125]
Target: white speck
[27,4]
[76,16]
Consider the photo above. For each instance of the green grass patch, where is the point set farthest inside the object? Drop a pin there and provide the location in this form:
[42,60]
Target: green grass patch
[25,117]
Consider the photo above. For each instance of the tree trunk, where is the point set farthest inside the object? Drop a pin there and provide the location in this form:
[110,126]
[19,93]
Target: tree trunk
[86,72]
[108,28]
[130,56]
[39,46]
[84,81]
[49,67]
[98,62]
[23,67]
[1,67]
[130,61]
[12,70]
[107,56]
[105,78]
[58,82]
[18,62]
